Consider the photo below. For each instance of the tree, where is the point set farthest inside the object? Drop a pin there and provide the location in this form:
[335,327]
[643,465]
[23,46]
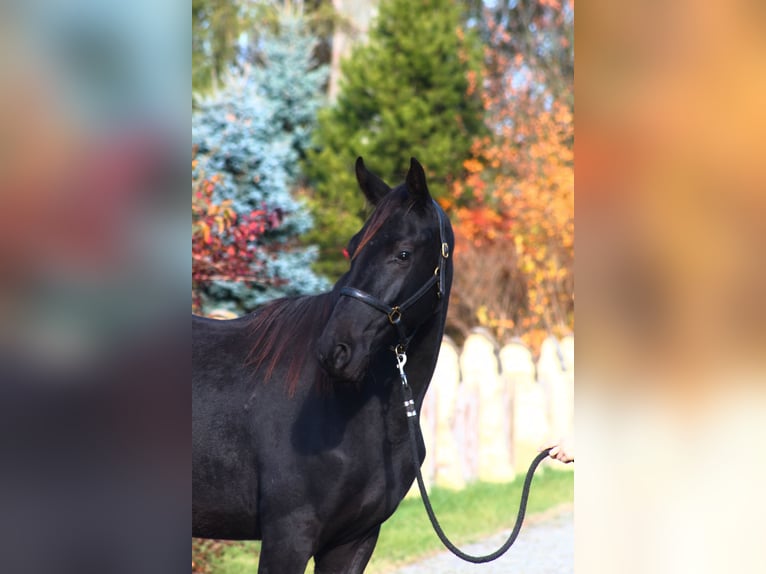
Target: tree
[216,25]
[290,79]
[247,141]
[412,90]
[224,30]
[537,35]
[514,211]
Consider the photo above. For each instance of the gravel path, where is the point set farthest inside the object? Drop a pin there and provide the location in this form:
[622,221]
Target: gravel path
[544,546]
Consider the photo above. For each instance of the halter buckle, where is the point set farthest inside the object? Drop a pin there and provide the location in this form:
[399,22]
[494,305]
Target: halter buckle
[445,250]
[395,316]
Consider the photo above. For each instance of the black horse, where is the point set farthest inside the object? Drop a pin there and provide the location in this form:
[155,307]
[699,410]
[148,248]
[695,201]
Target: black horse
[299,435]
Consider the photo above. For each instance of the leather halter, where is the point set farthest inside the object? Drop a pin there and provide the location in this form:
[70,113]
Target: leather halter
[395,312]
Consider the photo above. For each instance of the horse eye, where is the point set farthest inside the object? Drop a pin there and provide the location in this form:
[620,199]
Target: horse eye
[403,255]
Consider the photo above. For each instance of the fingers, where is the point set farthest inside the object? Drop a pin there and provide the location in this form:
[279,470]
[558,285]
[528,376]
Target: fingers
[564,457]
[558,453]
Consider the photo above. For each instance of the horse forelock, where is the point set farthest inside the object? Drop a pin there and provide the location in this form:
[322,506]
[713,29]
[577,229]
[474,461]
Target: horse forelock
[382,213]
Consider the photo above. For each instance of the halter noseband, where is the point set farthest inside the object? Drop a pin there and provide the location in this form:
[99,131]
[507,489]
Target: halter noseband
[394,312]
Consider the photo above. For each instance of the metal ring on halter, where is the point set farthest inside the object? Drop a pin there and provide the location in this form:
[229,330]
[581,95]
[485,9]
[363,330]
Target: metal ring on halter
[438,276]
[395,316]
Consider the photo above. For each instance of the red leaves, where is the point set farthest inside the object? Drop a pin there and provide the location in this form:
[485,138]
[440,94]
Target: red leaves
[225,244]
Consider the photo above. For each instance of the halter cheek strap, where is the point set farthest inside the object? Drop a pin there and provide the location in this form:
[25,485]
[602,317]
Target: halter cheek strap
[395,312]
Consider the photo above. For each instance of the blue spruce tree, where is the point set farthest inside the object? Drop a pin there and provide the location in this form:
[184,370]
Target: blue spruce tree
[252,134]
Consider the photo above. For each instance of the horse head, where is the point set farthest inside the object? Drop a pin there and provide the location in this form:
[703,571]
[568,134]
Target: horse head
[399,277]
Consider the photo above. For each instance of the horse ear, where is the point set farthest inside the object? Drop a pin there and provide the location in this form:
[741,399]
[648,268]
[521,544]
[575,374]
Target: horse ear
[416,182]
[373,187]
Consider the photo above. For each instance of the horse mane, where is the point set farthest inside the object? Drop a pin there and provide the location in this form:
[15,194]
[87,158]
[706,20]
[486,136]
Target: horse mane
[291,324]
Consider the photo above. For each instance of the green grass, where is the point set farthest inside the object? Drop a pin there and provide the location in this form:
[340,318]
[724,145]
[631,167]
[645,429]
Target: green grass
[479,510]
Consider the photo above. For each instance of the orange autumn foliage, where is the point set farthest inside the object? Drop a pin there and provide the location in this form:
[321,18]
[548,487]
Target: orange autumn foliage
[513,213]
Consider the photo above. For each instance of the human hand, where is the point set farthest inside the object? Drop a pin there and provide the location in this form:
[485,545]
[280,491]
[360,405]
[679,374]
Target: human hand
[563,451]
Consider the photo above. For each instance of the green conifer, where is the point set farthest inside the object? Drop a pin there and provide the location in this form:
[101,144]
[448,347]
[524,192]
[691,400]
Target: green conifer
[410,90]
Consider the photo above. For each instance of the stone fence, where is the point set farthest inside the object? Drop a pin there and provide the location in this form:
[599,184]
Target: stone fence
[489,409]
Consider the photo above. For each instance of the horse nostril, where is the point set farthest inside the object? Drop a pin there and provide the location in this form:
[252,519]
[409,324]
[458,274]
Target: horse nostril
[341,355]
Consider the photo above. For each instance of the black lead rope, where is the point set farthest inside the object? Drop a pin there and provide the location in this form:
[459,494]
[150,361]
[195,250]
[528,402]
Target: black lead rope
[409,404]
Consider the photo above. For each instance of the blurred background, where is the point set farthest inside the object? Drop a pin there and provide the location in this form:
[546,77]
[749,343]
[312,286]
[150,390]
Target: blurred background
[93,285]
[671,180]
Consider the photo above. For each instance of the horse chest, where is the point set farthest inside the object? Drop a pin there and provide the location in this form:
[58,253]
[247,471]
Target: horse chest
[365,492]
